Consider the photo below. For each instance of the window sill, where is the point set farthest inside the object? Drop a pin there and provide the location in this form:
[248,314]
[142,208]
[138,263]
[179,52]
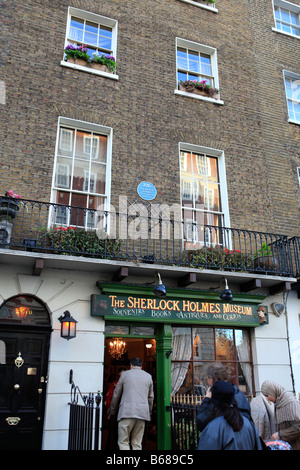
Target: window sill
[198,97]
[285,34]
[292,121]
[69,65]
[201,5]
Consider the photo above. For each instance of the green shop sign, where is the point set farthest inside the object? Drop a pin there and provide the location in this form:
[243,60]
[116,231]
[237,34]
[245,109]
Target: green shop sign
[134,307]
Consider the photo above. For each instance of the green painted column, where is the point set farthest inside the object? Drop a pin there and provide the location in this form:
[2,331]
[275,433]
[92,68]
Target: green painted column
[163,373]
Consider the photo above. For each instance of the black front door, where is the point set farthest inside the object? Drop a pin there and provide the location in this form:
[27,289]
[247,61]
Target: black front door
[24,347]
[23,379]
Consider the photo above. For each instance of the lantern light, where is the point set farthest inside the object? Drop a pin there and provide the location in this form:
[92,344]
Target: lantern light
[160,289]
[68,326]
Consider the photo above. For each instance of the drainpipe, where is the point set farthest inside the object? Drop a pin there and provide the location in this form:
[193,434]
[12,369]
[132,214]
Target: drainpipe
[285,299]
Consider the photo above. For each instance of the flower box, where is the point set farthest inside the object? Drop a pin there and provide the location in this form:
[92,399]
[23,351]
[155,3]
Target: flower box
[104,63]
[206,2]
[77,55]
[8,208]
[9,205]
[101,67]
[266,263]
[199,90]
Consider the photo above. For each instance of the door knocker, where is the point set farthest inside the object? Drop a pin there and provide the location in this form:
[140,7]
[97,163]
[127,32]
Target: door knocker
[19,361]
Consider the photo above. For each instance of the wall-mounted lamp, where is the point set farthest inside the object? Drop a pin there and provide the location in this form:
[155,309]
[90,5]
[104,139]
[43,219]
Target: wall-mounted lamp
[226,295]
[160,290]
[68,326]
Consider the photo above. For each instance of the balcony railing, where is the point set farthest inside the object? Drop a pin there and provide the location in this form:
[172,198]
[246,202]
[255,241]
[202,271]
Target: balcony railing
[149,237]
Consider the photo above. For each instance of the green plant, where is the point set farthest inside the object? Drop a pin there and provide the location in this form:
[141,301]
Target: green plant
[78,52]
[201,85]
[265,250]
[109,61]
[217,258]
[77,242]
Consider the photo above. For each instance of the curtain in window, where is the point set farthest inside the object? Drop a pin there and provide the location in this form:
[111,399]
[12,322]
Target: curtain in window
[243,353]
[181,351]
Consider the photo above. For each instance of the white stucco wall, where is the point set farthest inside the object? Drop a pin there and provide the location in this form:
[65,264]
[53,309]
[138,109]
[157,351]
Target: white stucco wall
[63,290]
[293,310]
[271,345]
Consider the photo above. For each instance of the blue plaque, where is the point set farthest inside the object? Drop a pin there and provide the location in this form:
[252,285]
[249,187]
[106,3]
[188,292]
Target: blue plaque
[146,191]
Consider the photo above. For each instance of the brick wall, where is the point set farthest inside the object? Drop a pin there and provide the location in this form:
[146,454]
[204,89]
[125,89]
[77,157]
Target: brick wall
[148,119]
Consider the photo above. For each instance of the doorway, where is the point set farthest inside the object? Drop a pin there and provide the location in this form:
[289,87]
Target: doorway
[24,348]
[145,349]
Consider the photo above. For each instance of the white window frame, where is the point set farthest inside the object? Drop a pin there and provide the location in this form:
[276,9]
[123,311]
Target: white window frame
[88,127]
[205,6]
[219,154]
[286,6]
[212,52]
[296,77]
[85,15]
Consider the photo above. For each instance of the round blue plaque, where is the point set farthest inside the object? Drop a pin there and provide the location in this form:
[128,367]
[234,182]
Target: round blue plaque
[146,191]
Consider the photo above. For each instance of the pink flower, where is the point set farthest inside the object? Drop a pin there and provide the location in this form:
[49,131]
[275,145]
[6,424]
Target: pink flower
[10,193]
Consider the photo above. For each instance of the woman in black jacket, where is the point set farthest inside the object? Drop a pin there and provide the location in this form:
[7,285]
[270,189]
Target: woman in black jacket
[229,430]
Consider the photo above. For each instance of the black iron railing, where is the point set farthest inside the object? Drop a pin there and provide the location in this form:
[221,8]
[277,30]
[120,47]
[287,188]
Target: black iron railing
[143,234]
[84,420]
[185,435]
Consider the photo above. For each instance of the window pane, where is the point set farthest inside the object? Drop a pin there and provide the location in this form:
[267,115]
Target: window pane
[224,344]
[181,344]
[245,380]
[98,177]
[63,172]
[286,28]
[102,156]
[181,378]
[105,38]
[203,346]
[81,149]
[143,330]
[181,76]
[294,18]
[297,111]
[200,384]
[194,65]
[90,38]
[76,29]
[116,330]
[296,90]
[193,77]
[91,27]
[182,61]
[212,169]
[199,193]
[285,15]
[205,64]
[65,144]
